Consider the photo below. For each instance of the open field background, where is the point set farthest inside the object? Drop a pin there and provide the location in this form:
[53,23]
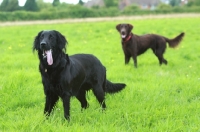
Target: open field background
[157,98]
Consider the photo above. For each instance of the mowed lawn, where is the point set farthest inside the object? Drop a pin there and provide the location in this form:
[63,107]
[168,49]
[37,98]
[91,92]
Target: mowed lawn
[157,98]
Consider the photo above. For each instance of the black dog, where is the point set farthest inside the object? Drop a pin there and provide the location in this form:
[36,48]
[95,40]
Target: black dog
[134,45]
[64,76]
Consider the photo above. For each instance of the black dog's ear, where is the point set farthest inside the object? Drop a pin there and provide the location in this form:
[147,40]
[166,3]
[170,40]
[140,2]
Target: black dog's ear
[67,58]
[118,27]
[61,41]
[36,44]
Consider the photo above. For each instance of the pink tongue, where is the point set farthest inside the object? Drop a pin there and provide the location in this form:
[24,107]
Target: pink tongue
[123,36]
[49,57]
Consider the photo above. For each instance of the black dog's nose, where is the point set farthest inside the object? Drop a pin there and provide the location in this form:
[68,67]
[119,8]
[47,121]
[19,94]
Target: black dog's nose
[43,44]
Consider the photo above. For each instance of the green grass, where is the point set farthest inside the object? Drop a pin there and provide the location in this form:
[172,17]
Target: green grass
[157,98]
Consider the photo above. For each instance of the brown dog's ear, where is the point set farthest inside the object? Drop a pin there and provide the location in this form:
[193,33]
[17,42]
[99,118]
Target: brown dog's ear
[118,27]
[130,26]
[36,44]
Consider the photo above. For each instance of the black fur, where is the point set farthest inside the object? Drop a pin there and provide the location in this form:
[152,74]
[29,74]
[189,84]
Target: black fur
[70,75]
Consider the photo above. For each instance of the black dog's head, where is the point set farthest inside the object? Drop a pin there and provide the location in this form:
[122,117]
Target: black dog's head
[49,45]
[124,29]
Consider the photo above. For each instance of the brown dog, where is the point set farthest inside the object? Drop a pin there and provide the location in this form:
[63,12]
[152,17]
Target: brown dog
[134,45]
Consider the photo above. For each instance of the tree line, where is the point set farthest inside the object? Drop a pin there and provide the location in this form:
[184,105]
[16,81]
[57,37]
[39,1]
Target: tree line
[39,10]
[37,5]
[30,5]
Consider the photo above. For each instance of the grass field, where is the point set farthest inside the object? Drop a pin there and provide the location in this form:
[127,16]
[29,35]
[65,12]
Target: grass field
[157,98]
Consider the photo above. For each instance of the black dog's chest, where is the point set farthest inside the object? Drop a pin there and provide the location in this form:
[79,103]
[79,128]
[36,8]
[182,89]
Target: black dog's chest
[62,80]
[53,77]
[55,84]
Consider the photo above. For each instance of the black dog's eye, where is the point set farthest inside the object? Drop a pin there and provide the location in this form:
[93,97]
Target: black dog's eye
[42,36]
[51,37]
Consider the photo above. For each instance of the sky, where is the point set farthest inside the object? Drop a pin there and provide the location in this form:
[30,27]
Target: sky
[22,2]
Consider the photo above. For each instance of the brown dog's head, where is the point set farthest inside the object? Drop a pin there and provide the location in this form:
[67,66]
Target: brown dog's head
[124,29]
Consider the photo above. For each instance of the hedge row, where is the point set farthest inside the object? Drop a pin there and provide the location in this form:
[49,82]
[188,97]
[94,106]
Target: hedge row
[85,12]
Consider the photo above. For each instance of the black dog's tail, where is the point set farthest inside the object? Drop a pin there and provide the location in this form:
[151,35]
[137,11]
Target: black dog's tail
[175,42]
[114,87]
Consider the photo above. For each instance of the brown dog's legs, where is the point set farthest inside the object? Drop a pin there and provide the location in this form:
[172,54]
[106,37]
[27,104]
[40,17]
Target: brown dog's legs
[161,59]
[159,51]
[135,60]
[127,59]
[164,61]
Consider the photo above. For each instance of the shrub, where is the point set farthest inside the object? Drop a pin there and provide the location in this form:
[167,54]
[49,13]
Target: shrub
[164,8]
[76,11]
[132,9]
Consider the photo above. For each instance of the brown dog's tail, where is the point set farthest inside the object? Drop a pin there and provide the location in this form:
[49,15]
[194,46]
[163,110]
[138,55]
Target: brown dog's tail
[114,87]
[175,42]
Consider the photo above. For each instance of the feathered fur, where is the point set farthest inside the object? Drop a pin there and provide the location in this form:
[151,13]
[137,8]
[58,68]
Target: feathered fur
[70,75]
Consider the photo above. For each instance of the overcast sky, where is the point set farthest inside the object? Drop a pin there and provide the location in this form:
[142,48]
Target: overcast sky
[22,2]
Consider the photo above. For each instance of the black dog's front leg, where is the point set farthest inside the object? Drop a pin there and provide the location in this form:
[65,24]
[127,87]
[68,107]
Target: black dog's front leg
[66,105]
[51,100]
